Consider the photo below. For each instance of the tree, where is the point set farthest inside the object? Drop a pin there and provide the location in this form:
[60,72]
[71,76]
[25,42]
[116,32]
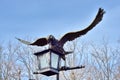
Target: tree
[101,61]
[8,61]
[76,59]
[105,61]
[0,63]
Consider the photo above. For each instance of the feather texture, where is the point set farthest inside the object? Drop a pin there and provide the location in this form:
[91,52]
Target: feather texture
[73,35]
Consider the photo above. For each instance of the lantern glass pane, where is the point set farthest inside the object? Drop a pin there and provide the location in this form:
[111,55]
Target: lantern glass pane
[44,61]
[54,60]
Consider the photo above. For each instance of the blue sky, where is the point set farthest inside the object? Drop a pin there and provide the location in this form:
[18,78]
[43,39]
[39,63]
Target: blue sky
[39,18]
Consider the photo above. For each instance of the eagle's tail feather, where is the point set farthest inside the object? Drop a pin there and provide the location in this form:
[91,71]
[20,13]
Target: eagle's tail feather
[23,41]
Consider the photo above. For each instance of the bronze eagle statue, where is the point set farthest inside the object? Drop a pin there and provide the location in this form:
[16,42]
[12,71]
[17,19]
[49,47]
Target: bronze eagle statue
[57,45]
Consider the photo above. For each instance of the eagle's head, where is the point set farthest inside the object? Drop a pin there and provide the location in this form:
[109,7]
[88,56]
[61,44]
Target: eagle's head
[51,38]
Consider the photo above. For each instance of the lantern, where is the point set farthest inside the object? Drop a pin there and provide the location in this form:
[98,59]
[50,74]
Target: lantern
[48,62]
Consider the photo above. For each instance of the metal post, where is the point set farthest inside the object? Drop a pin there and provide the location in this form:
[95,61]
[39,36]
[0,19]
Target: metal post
[57,76]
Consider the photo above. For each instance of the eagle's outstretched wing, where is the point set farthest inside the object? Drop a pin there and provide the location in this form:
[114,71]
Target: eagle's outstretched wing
[39,42]
[72,35]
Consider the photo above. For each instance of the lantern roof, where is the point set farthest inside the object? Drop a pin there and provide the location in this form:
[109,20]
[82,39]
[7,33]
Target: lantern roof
[48,50]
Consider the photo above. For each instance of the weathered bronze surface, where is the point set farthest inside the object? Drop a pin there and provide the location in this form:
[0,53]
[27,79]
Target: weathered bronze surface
[57,45]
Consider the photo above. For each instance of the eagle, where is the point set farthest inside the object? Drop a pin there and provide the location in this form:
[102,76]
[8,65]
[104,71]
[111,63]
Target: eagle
[57,45]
